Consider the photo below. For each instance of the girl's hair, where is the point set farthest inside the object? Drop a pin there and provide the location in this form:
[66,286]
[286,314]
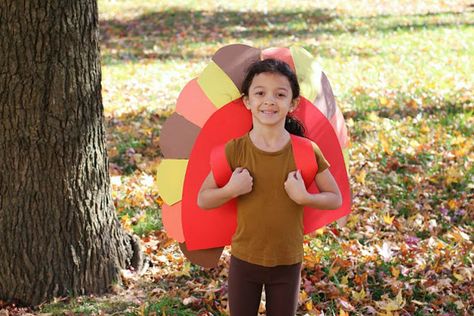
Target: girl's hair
[292,125]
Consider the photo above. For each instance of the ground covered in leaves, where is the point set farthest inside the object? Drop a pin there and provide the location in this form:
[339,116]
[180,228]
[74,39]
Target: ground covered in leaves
[403,77]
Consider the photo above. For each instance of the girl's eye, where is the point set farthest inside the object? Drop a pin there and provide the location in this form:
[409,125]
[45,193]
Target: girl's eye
[282,95]
[259,93]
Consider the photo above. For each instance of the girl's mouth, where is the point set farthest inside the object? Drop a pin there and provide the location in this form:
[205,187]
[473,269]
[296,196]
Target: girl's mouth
[268,112]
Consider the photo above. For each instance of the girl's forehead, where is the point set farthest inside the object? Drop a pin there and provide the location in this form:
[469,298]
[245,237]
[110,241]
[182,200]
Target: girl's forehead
[271,78]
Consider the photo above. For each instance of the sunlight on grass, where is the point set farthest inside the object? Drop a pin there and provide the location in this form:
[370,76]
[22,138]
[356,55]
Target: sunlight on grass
[144,86]
[377,56]
[111,8]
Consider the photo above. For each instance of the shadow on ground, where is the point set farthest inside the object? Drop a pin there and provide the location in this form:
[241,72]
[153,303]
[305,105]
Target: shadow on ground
[181,33]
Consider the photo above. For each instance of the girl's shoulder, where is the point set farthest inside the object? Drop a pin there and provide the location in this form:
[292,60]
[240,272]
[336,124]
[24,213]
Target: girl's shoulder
[323,164]
[315,147]
[235,149]
[237,143]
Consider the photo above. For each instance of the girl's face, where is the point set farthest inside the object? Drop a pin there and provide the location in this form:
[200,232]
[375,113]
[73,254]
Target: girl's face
[270,99]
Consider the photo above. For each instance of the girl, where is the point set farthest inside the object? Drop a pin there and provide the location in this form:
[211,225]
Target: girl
[267,247]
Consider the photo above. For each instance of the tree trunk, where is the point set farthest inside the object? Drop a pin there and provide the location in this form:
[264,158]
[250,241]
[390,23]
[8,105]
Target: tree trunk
[59,234]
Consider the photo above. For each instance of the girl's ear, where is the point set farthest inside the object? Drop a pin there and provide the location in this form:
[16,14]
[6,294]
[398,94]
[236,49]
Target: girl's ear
[246,102]
[294,104]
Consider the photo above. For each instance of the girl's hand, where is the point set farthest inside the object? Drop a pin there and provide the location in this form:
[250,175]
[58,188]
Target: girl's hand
[241,182]
[294,186]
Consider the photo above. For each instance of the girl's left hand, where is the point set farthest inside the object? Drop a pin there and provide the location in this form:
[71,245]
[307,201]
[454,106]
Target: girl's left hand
[294,186]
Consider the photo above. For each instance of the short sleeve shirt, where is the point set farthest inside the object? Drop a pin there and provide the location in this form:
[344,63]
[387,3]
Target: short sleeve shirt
[269,224]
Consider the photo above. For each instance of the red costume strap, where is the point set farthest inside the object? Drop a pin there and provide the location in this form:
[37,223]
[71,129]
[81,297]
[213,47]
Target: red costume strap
[305,159]
[220,166]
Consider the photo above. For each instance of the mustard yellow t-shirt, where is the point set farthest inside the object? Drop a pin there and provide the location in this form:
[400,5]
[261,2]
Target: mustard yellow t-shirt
[269,224]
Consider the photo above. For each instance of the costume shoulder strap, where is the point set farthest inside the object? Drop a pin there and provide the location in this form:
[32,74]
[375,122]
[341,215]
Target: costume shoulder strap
[305,159]
[220,166]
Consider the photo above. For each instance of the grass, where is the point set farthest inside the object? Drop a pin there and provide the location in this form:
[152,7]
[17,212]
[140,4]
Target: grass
[142,221]
[89,306]
[367,48]
[168,306]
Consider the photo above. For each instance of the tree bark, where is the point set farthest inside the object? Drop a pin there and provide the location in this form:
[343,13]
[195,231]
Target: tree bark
[59,234]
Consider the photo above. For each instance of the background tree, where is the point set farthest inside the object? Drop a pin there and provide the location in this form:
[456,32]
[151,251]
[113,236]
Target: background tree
[59,233]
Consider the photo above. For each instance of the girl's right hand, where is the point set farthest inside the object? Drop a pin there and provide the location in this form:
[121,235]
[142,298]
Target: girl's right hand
[241,182]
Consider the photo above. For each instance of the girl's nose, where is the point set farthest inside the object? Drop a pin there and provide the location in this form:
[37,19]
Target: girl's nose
[269,100]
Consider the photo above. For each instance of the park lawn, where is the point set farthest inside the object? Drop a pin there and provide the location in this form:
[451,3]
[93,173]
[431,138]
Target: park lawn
[402,76]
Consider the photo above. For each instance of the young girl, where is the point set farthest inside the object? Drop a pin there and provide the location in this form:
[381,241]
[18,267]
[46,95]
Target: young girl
[267,247]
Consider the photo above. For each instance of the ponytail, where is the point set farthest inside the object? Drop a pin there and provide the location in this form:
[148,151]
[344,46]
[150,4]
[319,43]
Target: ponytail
[293,126]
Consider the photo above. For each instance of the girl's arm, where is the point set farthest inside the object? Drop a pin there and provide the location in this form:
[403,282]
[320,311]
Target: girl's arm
[211,196]
[329,197]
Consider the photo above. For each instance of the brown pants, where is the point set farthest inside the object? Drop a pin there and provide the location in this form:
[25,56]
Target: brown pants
[246,280]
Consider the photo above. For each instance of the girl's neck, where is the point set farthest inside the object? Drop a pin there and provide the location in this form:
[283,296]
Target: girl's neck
[269,139]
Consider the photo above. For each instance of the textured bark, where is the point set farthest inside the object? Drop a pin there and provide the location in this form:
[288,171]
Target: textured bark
[59,234]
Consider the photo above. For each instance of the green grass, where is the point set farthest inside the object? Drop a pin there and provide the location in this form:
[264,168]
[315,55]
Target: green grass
[143,222]
[168,306]
[89,306]
[377,51]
